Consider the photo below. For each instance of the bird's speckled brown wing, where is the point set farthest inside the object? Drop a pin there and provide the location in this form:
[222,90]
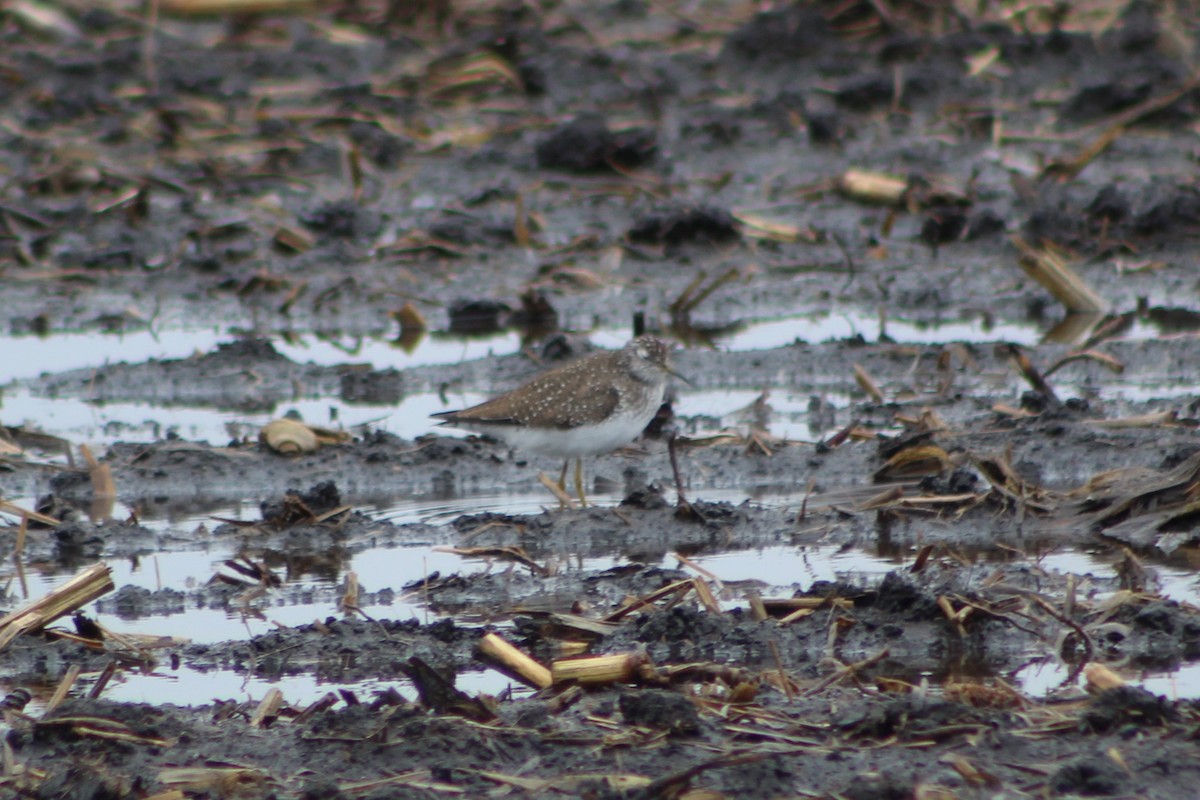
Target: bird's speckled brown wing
[555,399]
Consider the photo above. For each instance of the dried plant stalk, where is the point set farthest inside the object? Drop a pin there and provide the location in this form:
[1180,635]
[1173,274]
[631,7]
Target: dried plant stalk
[85,587]
[873,187]
[515,662]
[223,781]
[786,605]
[598,670]
[678,587]
[556,490]
[799,613]
[203,8]
[268,709]
[757,609]
[14,509]
[867,383]
[566,649]
[103,484]
[64,686]
[1052,271]
[705,596]
[1100,678]
[1152,420]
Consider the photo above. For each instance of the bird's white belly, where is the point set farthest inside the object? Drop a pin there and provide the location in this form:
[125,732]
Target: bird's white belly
[585,440]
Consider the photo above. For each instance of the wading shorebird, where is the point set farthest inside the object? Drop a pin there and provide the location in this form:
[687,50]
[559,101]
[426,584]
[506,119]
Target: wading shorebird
[590,406]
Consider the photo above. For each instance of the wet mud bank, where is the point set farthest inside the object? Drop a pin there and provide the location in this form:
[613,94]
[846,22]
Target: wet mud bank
[904,557]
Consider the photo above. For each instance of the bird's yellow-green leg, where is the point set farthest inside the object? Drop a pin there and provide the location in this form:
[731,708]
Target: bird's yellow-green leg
[563,502]
[579,482]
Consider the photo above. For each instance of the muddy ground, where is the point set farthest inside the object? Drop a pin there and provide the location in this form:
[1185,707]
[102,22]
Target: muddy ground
[406,171]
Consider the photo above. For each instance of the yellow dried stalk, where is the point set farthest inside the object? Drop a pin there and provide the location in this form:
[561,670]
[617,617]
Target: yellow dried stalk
[222,779]
[556,490]
[205,8]
[64,686]
[677,588]
[567,649]
[598,670]
[867,384]
[1100,678]
[268,708]
[515,662]
[919,460]
[1051,270]
[170,794]
[1154,420]
[103,728]
[14,509]
[873,187]
[85,587]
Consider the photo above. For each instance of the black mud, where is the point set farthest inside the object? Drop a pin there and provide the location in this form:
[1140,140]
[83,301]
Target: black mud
[563,169]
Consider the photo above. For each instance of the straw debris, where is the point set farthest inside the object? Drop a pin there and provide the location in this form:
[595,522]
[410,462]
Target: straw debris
[89,584]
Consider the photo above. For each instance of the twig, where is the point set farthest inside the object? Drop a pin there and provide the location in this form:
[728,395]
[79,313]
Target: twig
[784,678]
[683,509]
[64,686]
[515,662]
[556,490]
[848,670]
[85,587]
[150,47]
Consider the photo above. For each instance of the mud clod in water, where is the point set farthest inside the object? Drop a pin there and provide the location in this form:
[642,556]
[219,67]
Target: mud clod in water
[1095,776]
[1129,706]
[660,709]
[586,144]
[686,226]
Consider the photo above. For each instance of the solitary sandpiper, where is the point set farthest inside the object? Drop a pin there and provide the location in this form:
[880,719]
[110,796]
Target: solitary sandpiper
[592,405]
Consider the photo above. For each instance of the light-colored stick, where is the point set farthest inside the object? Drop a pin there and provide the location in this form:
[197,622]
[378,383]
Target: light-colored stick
[556,490]
[873,187]
[64,686]
[268,709]
[705,596]
[202,8]
[85,587]
[1056,276]
[104,488]
[867,384]
[757,609]
[598,670]
[1153,420]
[17,511]
[519,664]
[170,794]
[1100,678]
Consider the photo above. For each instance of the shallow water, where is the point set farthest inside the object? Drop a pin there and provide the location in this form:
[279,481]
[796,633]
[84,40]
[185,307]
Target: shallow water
[777,571]
[33,355]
